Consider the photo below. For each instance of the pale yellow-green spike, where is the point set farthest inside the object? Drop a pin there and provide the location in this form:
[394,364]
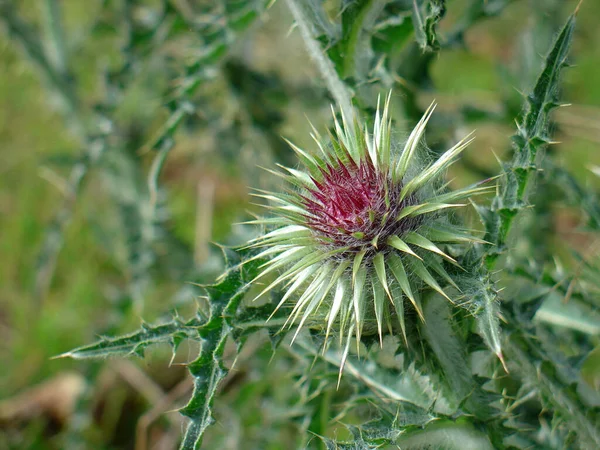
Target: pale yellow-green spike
[379,263]
[315,132]
[358,140]
[383,133]
[376,142]
[378,303]
[463,193]
[284,230]
[276,239]
[286,195]
[412,144]
[346,314]
[310,259]
[291,216]
[444,187]
[270,197]
[309,310]
[290,273]
[337,275]
[317,138]
[312,306]
[319,282]
[397,268]
[449,235]
[299,175]
[345,354]
[267,252]
[422,272]
[293,229]
[357,261]
[371,150]
[425,208]
[276,173]
[449,155]
[297,209]
[277,249]
[375,240]
[265,221]
[287,256]
[305,299]
[350,132]
[436,168]
[335,307]
[280,260]
[387,316]
[321,295]
[290,208]
[398,303]
[302,184]
[304,156]
[338,272]
[420,241]
[358,300]
[297,281]
[293,213]
[311,291]
[284,244]
[439,269]
[341,133]
[288,232]
[399,244]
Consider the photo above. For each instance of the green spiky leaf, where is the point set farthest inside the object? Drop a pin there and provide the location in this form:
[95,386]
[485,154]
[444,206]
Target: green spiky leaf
[530,138]
[172,333]
[426,16]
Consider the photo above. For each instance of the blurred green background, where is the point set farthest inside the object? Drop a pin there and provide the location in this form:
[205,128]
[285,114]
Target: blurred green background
[264,87]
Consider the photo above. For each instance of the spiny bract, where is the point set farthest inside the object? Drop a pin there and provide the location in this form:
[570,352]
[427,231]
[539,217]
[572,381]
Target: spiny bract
[362,229]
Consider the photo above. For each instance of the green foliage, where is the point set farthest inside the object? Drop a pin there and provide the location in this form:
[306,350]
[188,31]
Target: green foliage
[212,331]
[100,132]
[208,369]
[442,434]
[531,137]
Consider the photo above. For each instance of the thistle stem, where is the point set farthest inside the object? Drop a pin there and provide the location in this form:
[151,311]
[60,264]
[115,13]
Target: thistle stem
[336,86]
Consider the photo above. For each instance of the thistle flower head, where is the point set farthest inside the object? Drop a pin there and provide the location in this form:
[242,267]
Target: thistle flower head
[354,204]
[363,230]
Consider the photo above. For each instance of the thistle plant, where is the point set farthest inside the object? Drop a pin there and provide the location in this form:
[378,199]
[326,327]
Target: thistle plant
[363,227]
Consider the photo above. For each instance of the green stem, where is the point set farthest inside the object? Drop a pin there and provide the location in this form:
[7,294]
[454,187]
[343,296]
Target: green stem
[531,137]
[338,89]
[368,12]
